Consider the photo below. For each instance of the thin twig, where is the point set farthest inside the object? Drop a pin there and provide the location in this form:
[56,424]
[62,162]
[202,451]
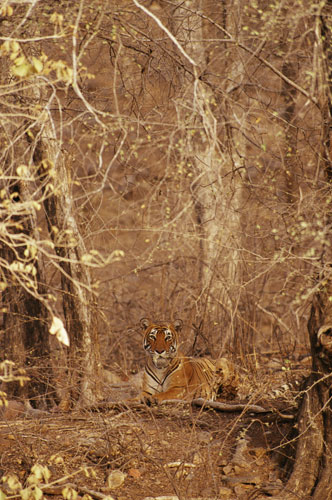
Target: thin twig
[168,33]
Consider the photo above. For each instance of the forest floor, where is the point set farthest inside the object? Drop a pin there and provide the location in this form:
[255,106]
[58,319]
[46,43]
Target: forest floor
[173,450]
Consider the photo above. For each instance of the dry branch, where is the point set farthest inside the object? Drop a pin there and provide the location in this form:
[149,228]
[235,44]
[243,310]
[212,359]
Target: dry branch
[57,490]
[216,405]
[134,404]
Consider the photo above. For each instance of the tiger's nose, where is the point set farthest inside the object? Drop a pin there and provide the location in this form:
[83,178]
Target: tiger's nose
[160,352]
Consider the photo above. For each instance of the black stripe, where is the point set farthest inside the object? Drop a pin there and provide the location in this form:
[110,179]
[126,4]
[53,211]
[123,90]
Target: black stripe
[151,374]
[172,369]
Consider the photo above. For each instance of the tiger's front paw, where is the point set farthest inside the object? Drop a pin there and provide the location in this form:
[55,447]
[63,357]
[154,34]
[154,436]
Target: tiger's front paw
[149,400]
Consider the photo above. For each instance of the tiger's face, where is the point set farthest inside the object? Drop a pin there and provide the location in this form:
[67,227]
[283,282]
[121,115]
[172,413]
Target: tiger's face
[161,341]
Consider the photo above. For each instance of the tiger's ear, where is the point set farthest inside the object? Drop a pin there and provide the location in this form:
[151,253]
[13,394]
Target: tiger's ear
[178,323]
[144,322]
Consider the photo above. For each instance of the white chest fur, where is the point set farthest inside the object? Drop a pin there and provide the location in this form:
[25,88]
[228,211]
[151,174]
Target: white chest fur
[157,379]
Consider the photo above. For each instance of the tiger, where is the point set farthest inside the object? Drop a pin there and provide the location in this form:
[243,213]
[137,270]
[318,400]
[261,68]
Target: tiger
[170,375]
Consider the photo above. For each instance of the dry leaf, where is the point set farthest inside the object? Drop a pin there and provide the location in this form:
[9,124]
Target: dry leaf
[135,473]
[225,493]
[116,479]
[58,329]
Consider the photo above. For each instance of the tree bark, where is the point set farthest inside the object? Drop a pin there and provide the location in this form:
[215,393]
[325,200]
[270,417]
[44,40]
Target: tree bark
[83,360]
[311,474]
[216,188]
[26,336]
[312,470]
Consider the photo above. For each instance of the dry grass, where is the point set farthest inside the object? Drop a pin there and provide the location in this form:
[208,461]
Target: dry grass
[172,449]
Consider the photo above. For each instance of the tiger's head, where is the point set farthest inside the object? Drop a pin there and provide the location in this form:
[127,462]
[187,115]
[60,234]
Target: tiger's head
[161,341]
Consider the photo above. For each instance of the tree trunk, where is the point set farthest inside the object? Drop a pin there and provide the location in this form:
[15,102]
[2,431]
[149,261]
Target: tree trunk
[83,361]
[312,470]
[26,336]
[311,474]
[216,188]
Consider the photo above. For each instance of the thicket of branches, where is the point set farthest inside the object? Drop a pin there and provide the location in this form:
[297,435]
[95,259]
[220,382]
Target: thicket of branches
[164,159]
[188,137]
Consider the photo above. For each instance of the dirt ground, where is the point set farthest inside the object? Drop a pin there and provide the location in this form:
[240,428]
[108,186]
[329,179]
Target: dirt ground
[173,450]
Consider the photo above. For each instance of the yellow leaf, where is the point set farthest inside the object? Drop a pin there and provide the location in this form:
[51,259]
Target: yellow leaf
[37,64]
[36,205]
[22,170]
[13,482]
[22,70]
[86,258]
[3,496]
[37,493]
[69,493]
[18,60]
[25,494]
[7,11]
[5,47]
[56,18]
[15,46]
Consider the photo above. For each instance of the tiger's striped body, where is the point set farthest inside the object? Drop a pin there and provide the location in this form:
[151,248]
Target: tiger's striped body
[170,375]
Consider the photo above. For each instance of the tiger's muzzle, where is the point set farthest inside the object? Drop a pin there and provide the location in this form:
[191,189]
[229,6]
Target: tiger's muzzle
[161,359]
